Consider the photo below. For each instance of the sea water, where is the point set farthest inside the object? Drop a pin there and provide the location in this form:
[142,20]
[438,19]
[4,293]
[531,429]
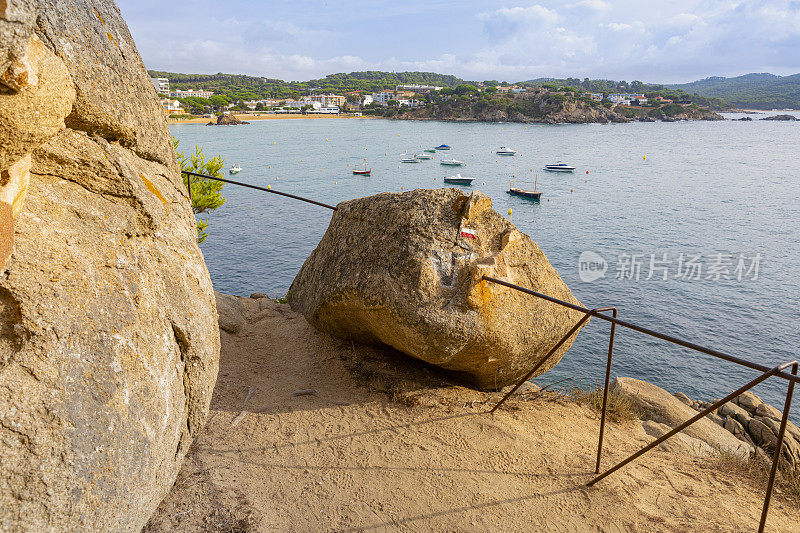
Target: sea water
[688,228]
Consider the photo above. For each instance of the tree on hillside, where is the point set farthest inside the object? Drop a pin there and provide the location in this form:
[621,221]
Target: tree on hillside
[206,193]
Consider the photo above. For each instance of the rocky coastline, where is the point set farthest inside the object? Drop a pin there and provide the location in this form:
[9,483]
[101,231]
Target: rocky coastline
[547,107]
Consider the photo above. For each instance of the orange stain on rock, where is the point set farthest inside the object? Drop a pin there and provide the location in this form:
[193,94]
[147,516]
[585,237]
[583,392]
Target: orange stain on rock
[152,189]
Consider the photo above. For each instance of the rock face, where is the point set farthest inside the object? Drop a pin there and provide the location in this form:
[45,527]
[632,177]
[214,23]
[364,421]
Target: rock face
[108,329]
[660,406]
[227,120]
[403,270]
[781,117]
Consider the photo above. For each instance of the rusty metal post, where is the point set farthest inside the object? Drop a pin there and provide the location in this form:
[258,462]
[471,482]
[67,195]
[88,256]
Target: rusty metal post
[776,459]
[692,420]
[588,313]
[189,186]
[605,393]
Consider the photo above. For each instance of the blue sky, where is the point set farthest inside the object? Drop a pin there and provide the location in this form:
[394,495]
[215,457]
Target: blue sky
[663,41]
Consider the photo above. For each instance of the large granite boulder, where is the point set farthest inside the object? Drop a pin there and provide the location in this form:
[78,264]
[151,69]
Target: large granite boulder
[406,270]
[108,329]
[660,406]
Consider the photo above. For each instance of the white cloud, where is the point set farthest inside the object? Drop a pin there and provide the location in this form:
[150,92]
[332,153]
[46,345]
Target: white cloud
[592,5]
[627,39]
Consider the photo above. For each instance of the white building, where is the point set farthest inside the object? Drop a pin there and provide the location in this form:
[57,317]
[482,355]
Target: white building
[327,110]
[161,85]
[383,97]
[418,88]
[177,93]
[624,98]
[329,100]
[172,107]
[367,100]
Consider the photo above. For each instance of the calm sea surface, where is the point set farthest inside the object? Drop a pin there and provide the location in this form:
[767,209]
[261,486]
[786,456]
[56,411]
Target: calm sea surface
[726,195]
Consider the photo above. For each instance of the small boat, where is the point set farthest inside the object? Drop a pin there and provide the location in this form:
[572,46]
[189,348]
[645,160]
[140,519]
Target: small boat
[405,158]
[443,147]
[506,151]
[235,169]
[524,192]
[363,172]
[559,167]
[458,178]
[430,150]
[452,162]
[423,156]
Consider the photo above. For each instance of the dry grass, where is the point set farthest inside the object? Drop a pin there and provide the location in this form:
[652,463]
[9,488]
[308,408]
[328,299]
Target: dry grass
[619,408]
[756,471]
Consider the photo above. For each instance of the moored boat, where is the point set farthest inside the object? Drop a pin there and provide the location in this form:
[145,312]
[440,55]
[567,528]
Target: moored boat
[459,179]
[443,147]
[452,162]
[506,151]
[363,172]
[559,167]
[430,150]
[423,156]
[405,158]
[235,169]
[523,191]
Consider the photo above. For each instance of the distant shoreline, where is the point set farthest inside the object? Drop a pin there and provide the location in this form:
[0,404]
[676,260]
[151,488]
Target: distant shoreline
[248,118]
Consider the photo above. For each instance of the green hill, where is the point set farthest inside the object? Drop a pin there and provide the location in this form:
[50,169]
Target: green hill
[240,87]
[754,91]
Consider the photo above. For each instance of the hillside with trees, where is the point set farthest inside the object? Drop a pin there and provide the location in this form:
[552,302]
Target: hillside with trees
[237,87]
[650,90]
[757,91]
[751,91]
[548,104]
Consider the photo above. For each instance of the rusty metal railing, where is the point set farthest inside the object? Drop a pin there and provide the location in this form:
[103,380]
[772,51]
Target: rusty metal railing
[249,186]
[767,372]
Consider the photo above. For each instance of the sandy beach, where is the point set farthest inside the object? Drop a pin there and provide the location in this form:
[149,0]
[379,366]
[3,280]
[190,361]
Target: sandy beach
[249,118]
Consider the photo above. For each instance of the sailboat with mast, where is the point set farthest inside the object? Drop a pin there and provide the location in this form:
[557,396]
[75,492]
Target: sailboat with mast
[525,191]
[363,172]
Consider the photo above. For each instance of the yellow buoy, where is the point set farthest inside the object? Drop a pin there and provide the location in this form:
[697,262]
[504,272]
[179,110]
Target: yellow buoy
[269,186]
[326,139]
[644,157]
[273,143]
[276,177]
[509,211]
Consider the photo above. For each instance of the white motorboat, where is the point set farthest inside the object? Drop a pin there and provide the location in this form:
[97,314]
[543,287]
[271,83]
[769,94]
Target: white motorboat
[424,156]
[559,167]
[506,151]
[405,158]
[452,162]
[459,179]
[235,169]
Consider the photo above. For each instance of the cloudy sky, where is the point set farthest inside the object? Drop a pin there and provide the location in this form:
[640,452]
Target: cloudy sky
[653,41]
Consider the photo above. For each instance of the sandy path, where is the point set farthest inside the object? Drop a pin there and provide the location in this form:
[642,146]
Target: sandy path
[386,445]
